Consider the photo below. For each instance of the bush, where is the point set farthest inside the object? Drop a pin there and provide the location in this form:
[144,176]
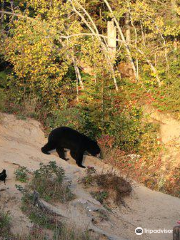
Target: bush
[48,181]
[69,117]
[22,174]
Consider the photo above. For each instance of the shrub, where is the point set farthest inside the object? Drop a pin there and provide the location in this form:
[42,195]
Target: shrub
[70,117]
[22,174]
[48,181]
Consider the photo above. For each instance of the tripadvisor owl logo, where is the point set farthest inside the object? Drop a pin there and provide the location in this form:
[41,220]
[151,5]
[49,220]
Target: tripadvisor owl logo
[139,231]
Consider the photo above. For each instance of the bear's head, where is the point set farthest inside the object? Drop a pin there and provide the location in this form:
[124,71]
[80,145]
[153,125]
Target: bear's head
[94,149]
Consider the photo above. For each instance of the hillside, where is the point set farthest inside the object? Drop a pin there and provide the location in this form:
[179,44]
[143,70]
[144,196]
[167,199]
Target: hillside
[20,143]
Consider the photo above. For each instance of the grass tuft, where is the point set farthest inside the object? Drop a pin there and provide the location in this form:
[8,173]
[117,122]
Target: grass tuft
[4,224]
[108,186]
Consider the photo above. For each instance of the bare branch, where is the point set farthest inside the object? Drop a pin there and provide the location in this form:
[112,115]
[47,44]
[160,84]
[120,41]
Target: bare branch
[95,32]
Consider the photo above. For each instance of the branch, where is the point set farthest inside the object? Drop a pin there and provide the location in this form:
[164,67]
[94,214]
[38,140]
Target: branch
[152,67]
[62,36]
[95,32]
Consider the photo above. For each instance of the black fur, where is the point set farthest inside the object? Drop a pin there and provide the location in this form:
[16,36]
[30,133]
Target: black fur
[3,176]
[64,137]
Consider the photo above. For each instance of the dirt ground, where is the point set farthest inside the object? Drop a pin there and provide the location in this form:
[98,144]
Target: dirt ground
[20,144]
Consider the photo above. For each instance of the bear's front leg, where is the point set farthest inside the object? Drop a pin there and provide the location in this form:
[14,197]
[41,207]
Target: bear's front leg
[61,153]
[79,159]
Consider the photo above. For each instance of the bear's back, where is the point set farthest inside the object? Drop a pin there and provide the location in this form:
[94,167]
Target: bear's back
[67,137]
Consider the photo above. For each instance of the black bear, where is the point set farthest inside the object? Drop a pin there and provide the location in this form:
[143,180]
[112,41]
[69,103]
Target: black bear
[65,137]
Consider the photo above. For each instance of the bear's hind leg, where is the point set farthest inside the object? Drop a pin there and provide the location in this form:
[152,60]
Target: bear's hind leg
[48,147]
[61,153]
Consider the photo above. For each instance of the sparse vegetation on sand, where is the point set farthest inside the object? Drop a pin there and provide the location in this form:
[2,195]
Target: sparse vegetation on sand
[4,224]
[108,186]
[60,231]
[49,182]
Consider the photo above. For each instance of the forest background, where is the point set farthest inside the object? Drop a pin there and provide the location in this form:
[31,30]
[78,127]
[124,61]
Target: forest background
[56,66]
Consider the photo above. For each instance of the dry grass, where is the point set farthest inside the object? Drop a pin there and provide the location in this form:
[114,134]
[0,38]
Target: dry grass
[107,186]
[116,186]
[4,224]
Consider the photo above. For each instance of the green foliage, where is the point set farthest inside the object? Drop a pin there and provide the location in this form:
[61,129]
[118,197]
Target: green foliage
[2,100]
[48,181]
[3,84]
[70,117]
[127,128]
[100,196]
[32,52]
[167,99]
[22,174]
[44,220]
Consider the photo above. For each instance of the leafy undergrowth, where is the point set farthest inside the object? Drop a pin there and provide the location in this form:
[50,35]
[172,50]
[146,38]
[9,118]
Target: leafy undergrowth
[22,174]
[172,180]
[107,187]
[48,181]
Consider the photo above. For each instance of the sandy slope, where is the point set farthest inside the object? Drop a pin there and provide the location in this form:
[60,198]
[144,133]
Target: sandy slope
[20,143]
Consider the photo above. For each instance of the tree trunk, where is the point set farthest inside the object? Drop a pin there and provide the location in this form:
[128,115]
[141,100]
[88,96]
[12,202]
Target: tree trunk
[174,19]
[2,13]
[111,33]
[129,55]
[127,26]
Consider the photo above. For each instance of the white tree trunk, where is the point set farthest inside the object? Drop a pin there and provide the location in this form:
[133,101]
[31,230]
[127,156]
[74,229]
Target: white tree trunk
[111,33]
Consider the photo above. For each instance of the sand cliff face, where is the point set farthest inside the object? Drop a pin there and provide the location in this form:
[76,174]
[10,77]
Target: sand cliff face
[20,144]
